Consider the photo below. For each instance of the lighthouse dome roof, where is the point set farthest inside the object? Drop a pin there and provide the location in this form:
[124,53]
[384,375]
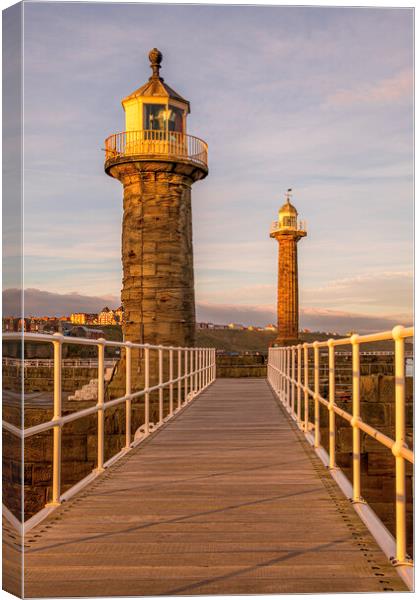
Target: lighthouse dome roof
[288,209]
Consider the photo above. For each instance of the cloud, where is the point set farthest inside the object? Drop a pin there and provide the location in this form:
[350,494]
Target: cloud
[39,302]
[341,321]
[315,319]
[376,293]
[384,91]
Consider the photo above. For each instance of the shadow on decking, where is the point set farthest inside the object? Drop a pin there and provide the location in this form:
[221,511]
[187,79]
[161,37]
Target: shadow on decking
[167,521]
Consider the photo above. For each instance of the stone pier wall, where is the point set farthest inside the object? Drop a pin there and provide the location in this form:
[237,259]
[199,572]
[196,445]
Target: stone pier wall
[241,366]
[378,463]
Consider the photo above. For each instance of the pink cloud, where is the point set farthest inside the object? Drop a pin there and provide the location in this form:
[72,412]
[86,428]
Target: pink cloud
[384,91]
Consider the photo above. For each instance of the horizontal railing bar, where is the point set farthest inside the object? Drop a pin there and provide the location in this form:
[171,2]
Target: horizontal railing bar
[36,429]
[66,339]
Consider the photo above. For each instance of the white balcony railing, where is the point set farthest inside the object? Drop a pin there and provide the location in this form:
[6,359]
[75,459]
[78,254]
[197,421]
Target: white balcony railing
[275,226]
[149,142]
[190,371]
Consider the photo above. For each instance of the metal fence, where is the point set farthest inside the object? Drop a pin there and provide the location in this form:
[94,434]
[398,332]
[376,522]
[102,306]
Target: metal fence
[88,363]
[149,142]
[191,370]
[288,375]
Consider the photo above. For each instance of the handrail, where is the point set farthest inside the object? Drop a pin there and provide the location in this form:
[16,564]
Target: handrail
[286,382]
[151,142]
[49,362]
[199,373]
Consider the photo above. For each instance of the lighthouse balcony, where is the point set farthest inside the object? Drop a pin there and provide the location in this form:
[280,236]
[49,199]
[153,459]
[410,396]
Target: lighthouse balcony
[297,227]
[155,144]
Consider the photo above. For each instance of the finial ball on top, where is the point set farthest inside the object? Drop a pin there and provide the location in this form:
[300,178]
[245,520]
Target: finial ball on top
[155,56]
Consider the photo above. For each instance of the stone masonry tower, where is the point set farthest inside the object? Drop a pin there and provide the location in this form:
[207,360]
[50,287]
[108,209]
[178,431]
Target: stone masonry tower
[287,231]
[157,163]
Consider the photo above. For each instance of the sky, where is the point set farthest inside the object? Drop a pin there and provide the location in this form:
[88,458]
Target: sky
[313,98]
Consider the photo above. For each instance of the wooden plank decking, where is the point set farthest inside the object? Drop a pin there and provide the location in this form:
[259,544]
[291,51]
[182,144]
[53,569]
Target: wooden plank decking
[227,498]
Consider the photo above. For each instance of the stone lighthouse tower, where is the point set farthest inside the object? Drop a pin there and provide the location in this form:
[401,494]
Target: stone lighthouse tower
[157,163]
[287,231]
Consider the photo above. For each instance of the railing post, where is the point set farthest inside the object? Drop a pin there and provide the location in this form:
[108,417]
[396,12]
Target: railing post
[286,374]
[299,381]
[282,360]
[205,351]
[100,405]
[214,364]
[160,361]
[147,393]
[191,371]
[186,380]
[317,440]
[292,383]
[400,490]
[127,393]
[306,385]
[355,419]
[179,377]
[331,402]
[196,353]
[200,369]
[171,385]
[56,483]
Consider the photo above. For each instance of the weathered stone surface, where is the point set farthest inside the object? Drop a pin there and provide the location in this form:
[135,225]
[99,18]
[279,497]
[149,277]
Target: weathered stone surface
[157,257]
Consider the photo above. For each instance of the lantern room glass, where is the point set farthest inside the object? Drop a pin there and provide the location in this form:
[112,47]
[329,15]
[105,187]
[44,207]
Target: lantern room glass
[161,117]
[154,116]
[289,222]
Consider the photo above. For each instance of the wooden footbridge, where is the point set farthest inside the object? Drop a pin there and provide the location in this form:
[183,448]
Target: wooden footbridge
[225,497]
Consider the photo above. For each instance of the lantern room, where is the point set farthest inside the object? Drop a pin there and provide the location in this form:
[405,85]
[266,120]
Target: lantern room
[288,216]
[287,222]
[155,106]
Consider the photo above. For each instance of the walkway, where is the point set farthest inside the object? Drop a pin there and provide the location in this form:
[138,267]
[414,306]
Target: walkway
[227,498]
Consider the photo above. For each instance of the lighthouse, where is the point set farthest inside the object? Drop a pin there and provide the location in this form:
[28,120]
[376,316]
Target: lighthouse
[157,162]
[287,231]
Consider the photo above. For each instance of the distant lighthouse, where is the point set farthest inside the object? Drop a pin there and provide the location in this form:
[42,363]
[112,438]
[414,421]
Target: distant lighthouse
[287,231]
[157,163]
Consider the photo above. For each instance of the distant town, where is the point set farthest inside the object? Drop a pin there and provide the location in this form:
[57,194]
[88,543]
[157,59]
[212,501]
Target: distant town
[82,324]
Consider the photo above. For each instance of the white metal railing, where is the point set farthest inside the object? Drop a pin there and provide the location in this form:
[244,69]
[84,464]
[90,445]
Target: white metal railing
[148,142]
[288,375]
[49,362]
[196,367]
[276,226]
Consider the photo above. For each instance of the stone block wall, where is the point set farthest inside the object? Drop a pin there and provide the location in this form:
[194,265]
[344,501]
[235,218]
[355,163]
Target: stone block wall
[241,366]
[41,379]
[378,463]
[79,451]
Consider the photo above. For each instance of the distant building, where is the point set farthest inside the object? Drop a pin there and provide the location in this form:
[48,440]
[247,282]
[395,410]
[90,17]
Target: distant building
[270,327]
[106,317]
[9,323]
[235,326]
[205,326]
[83,318]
